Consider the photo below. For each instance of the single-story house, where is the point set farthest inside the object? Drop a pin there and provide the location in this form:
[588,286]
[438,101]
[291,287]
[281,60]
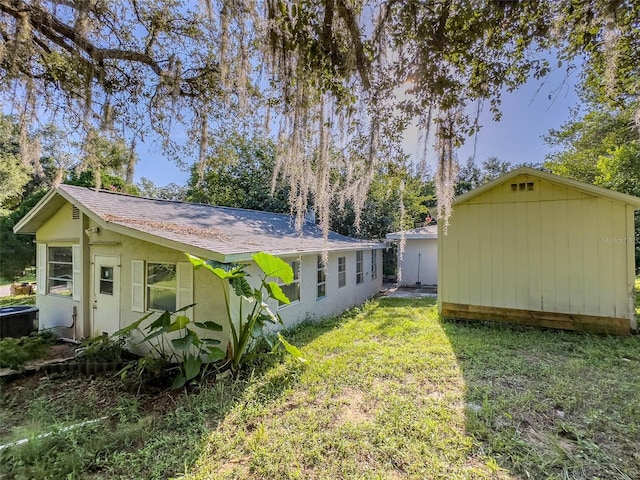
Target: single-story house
[106,258]
[535,248]
[418,260]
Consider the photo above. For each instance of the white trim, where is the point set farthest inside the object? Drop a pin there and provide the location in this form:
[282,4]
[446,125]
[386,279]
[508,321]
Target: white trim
[41,269]
[184,281]
[77,272]
[137,285]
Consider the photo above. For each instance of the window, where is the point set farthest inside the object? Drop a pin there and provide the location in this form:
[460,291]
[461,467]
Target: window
[342,271]
[106,280]
[359,266]
[292,290]
[60,271]
[374,264]
[322,280]
[161,286]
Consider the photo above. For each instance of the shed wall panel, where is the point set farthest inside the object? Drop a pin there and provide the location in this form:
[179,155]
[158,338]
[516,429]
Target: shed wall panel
[553,249]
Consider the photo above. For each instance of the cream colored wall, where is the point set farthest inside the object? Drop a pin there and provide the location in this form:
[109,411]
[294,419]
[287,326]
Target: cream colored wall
[336,299]
[56,311]
[207,295]
[553,249]
[423,252]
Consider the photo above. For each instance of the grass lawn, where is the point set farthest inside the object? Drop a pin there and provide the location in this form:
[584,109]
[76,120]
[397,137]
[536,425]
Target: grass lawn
[17,300]
[389,391]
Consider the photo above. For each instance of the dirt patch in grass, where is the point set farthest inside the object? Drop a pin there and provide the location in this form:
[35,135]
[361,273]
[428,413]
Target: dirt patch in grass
[353,408]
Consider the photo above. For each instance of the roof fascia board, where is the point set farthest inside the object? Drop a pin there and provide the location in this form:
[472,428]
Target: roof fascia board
[34,211]
[584,187]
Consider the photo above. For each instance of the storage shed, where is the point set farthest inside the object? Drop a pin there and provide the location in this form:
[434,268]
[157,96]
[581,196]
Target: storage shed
[418,260]
[535,248]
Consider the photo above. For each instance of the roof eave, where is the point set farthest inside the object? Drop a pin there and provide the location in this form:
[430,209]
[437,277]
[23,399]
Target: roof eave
[585,187]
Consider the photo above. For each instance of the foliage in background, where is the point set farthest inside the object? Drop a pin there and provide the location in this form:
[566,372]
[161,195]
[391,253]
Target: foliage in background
[17,252]
[602,148]
[171,191]
[396,200]
[343,79]
[238,174]
[24,182]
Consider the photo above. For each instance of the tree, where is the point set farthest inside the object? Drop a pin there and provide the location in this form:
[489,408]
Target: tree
[396,200]
[330,70]
[17,252]
[471,176]
[600,148]
[240,176]
[172,191]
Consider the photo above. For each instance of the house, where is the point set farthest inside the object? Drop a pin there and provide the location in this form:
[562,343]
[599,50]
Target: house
[535,248]
[418,260]
[106,258]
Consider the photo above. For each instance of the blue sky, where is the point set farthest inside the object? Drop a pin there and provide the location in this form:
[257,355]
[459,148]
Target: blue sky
[528,114]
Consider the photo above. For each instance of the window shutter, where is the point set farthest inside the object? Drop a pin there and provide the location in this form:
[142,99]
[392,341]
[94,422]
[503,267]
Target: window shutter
[137,285]
[41,271]
[77,272]
[185,287]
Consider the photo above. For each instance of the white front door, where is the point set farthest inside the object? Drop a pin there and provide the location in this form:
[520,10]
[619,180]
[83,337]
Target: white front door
[106,294]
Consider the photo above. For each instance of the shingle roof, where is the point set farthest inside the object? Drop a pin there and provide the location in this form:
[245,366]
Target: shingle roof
[429,231]
[223,230]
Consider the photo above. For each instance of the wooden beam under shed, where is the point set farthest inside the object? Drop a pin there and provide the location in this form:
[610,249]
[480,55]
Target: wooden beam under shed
[562,321]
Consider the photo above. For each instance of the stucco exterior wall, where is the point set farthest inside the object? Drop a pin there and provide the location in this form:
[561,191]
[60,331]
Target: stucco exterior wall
[57,312]
[419,262]
[552,249]
[336,299]
[207,295]
[93,240]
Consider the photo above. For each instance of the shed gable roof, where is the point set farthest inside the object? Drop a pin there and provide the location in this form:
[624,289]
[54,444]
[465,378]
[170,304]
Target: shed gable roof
[230,234]
[568,182]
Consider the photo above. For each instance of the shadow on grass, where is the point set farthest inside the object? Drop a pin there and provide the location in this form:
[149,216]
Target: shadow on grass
[551,404]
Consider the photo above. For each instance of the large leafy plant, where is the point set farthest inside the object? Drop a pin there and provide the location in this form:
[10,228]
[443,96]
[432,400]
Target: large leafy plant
[188,349]
[194,353]
[253,313]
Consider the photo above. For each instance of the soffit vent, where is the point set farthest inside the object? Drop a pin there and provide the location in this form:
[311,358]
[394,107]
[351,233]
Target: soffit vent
[522,187]
[75,214]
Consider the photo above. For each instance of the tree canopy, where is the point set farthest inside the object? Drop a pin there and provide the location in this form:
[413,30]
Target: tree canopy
[601,148]
[338,80]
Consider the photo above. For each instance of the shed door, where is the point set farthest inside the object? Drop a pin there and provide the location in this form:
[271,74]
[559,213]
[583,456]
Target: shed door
[106,294]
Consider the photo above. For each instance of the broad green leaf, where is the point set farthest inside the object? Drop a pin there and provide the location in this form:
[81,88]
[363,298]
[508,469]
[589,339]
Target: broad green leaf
[199,263]
[164,320]
[211,341]
[179,381]
[157,332]
[179,323]
[276,293]
[293,350]
[192,365]
[215,354]
[273,266]
[183,343]
[257,329]
[186,307]
[209,325]
[241,287]
[129,328]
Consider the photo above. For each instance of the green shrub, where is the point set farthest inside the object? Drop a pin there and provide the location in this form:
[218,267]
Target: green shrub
[15,352]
